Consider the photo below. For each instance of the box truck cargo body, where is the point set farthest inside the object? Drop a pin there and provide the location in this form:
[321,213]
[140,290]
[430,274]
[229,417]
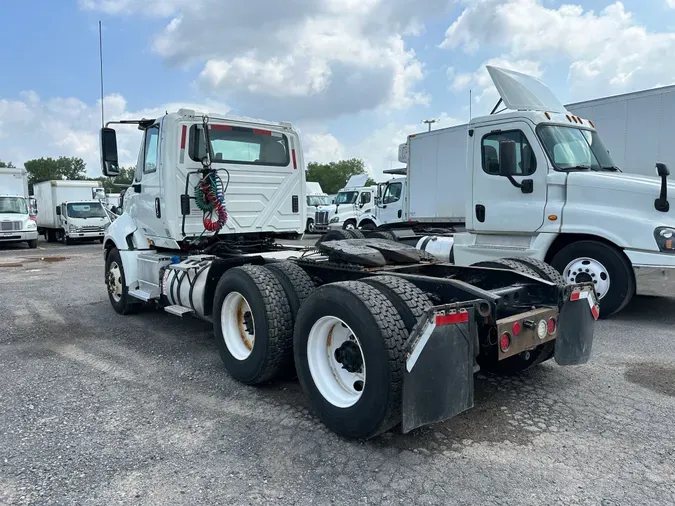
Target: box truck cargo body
[68,210]
[637,128]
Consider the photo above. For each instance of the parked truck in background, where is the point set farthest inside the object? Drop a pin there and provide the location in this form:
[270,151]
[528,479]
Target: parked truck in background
[637,128]
[355,320]
[316,198]
[71,210]
[354,200]
[537,182]
[17,220]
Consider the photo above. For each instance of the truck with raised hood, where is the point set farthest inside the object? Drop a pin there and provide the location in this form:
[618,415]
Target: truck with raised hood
[539,183]
[71,210]
[637,128]
[354,200]
[379,334]
[316,198]
[17,218]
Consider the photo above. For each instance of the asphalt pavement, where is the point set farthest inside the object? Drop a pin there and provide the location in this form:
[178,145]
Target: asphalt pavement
[98,408]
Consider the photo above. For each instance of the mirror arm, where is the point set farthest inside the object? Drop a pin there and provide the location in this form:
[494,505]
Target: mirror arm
[525,187]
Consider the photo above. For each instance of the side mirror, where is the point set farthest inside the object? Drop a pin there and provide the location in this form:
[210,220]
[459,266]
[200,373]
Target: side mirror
[58,210]
[332,201]
[109,161]
[662,170]
[377,201]
[507,158]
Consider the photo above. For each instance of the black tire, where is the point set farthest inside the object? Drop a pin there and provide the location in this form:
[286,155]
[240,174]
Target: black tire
[544,270]
[504,263]
[126,304]
[356,233]
[272,351]
[381,334]
[67,240]
[349,223]
[100,239]
[368,226]
[409,301]
[295,281]
[335,235]
[622,282]
[309,227]
[32,244]
[382,234]
[51,235]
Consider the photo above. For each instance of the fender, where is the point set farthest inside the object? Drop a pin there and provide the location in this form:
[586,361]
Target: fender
[124,234]
[368,217]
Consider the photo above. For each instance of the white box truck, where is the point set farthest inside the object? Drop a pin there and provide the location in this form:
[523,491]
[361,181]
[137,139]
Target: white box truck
[637,128]
[537,183]
[70,210]
[17,224]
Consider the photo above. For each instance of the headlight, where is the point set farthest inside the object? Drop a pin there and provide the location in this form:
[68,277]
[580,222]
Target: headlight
[665,238]
[335,220]
[31,225]
[72,228]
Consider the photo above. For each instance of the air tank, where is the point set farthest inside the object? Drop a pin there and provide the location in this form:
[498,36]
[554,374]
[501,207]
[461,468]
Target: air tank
[438,246]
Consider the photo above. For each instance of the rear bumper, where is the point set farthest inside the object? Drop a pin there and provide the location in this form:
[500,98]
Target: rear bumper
[30,235]
[654,273]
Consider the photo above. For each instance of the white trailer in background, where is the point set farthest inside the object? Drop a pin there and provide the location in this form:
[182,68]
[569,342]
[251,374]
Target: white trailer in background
[16,221]
[71,210]
[638,129]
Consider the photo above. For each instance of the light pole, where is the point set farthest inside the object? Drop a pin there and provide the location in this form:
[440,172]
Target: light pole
[430,122]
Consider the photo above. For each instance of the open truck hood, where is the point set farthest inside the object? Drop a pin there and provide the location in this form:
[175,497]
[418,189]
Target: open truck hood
[522,92]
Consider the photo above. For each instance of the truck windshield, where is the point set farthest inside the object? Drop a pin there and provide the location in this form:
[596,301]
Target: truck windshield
[13,205]
[572,148]
[85,210]
[346,197]
[318,200]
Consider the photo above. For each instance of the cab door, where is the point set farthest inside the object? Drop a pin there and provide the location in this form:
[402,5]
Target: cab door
[144,198]
[498,205]
[391,208]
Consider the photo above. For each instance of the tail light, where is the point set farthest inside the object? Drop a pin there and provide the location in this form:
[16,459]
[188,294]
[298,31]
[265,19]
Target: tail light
[505,342]
[551,326]
[516,328]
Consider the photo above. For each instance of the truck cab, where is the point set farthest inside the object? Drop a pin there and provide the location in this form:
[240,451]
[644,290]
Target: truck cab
[390,202]
[316,198]
[351,202]
[82,219]
[17,216]
[543,185]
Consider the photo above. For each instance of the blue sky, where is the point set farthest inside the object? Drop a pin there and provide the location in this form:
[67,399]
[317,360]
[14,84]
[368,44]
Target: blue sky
[355,76]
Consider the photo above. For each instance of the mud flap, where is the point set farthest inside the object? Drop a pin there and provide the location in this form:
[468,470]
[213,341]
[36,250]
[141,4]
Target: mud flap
[575,328]
[438,377]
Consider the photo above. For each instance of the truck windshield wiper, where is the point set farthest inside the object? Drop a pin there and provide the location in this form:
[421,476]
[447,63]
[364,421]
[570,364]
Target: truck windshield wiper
[575,168]
[612,168]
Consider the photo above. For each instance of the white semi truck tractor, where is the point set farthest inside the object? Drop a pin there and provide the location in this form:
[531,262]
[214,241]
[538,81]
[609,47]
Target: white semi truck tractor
[379,334]
[535,181]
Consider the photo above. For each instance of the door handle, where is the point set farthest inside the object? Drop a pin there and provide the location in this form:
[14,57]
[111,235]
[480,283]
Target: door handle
[400,212]
[480,212]
[158,210]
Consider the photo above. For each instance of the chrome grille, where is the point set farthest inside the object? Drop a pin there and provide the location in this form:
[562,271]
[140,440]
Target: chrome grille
[10,225]
[321,218]
[91,229]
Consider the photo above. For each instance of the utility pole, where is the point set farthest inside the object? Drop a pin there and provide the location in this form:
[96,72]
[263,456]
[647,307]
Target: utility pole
[430,122]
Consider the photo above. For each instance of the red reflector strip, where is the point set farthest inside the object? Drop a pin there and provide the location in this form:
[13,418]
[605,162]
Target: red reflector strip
[183,136]
[220,127]
[449,319]
[261,132]
[295,163]
[595,310]
[575,296]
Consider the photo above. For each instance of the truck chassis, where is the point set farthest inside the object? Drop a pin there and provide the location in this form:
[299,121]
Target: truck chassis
[379,333]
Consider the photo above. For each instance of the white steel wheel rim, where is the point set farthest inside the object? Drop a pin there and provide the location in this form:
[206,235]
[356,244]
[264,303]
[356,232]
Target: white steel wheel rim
[310,226]
[586,269]
[115,281]
[349,226]
[236,322]
[335,383]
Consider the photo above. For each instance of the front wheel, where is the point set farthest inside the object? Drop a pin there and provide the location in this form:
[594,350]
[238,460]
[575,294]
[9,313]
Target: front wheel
[604,266]
[32,244]
[118,293]
[349,225]
[310,226]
